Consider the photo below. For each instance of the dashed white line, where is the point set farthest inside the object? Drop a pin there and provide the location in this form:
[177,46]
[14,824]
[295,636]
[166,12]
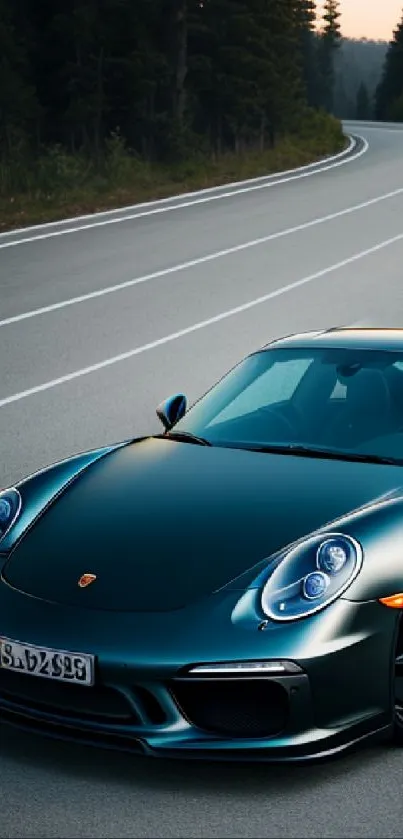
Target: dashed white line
[183,266]
[252,186]
[93,368]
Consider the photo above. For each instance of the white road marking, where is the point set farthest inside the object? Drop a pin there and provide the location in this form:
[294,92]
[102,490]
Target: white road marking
[180,195]
[157,210]
[93,368]
[183,266]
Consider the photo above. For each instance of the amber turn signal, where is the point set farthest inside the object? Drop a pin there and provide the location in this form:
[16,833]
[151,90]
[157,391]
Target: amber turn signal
[395,601]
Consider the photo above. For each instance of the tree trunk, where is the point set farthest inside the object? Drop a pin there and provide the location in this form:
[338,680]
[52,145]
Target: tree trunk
[181,28]
[262,133]
[99,111]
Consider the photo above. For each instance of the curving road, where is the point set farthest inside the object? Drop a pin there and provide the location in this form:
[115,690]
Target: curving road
[100,319]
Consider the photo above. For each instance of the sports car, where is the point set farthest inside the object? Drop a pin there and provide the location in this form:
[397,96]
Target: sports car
[231,588]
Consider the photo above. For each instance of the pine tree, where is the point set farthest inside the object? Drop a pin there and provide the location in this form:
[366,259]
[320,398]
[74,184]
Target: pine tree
[329,41]
[363,109]
[285,97]
[220,70]
[180,26]
[18,103]
[245,70]
[306,15]
[389,94]
[162,77]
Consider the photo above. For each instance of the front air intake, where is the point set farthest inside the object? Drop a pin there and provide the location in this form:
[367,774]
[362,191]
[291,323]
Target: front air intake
[233,708]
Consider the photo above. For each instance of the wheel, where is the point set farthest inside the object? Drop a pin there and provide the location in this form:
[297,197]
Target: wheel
[398,689]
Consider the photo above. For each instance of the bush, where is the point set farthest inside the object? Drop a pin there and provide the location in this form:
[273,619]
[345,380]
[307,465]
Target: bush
[59,184]
[120,164]
[320,129]
[58,171]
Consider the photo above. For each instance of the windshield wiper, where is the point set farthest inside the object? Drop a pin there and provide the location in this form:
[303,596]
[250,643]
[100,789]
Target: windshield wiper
[184,437]
[331,454]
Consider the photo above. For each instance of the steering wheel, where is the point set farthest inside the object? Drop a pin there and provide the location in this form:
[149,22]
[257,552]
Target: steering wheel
[280,418]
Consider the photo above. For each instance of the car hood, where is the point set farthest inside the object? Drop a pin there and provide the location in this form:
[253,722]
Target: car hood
[163,523]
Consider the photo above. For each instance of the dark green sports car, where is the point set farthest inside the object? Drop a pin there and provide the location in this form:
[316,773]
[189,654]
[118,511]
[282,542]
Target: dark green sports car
[230,588]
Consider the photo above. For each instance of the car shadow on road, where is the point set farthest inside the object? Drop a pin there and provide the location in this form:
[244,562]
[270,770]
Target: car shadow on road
[20,748]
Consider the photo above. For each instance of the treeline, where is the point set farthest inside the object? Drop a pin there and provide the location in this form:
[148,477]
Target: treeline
[166,75]
[389,96]
[358,69]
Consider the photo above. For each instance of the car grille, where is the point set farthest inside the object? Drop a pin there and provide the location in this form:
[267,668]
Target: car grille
[245,708]
[98,704]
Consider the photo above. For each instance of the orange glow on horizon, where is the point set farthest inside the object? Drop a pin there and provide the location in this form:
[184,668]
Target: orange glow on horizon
[368,19]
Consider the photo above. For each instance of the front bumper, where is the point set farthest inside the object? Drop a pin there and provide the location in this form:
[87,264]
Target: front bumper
[155,724]
[339,695]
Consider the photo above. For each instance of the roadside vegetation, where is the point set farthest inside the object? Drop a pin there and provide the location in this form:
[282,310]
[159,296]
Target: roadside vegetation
[104,106]
[60,185]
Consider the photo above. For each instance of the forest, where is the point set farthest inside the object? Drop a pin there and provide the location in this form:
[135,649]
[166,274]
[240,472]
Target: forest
[358,71]
[106,102]
[389,93]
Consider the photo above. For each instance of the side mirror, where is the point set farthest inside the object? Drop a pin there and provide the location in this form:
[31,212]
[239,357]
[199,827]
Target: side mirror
[172,410]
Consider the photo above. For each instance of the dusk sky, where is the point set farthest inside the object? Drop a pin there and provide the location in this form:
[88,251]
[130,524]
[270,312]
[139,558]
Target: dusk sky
[370,18]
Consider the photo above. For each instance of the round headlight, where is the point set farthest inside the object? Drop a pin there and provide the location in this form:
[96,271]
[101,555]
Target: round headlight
[314,585]
[10,507]
[311,575]
[333,554]
[5,511]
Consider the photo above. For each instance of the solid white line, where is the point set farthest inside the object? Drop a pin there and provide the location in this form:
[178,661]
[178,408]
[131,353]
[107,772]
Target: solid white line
[183,266]
[93,368]
[183,205]
[180,196]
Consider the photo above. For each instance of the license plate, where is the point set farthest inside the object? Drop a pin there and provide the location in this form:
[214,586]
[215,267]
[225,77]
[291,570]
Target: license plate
[48,663]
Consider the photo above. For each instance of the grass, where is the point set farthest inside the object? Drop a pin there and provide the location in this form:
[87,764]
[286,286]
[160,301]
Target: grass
[58,185]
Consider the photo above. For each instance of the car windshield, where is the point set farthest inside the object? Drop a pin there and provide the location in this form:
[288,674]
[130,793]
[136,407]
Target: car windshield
[341,400]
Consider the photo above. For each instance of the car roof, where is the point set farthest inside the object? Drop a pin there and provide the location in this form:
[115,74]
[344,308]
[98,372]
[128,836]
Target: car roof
[363,338]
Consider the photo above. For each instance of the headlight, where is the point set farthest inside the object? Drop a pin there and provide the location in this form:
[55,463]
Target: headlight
[10,508]
[311,575]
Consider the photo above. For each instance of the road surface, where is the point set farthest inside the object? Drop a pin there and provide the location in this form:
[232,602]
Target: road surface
[100,319]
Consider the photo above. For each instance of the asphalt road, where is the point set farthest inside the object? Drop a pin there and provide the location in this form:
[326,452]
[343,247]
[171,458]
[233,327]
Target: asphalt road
[205,280]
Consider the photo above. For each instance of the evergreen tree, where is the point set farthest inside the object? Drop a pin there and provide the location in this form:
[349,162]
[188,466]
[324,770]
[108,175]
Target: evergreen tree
[281,86]
[306,15]
[389,94]
[18,103]
[329,42]
[245,70]
[357,61]
[221,70]
[363,109]
[164,77]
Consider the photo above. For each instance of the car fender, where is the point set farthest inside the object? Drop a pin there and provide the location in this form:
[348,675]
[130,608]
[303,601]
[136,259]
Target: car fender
[379,530]
[43,487]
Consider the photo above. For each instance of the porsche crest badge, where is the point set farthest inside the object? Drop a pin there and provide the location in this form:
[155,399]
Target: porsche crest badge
[86,580]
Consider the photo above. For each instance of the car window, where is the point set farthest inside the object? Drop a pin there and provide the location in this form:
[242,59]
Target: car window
[368,383]
[277,384]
